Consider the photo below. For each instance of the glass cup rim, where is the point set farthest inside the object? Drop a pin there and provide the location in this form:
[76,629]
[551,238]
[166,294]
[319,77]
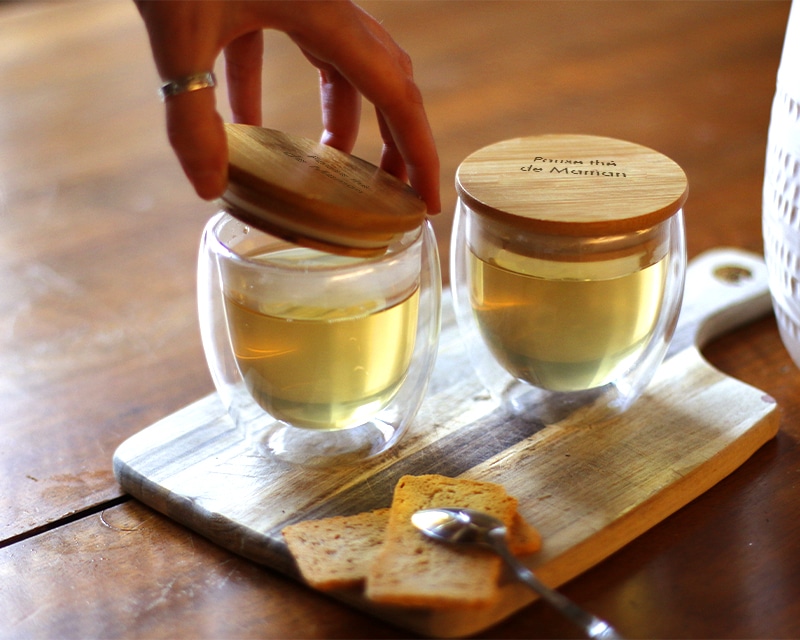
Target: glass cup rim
[344,264]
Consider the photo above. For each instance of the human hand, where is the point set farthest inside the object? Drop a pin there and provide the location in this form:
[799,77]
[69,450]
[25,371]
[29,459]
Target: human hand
[355,56]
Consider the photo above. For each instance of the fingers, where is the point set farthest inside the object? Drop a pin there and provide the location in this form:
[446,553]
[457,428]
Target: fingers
[341,109]
[184,38]
[345,38]
[406,132]
[355,55]
[243,59]
[392,160]
[197,135]
[408,140]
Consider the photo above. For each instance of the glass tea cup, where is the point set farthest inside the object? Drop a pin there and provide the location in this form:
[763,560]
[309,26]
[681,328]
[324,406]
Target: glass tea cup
[568,261]
[321,353]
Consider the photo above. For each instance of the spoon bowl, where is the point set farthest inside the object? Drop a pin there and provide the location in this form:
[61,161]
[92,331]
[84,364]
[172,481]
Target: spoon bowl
[453,525]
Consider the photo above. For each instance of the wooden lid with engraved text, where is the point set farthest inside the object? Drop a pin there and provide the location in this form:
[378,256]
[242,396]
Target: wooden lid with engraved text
[575,185]
[315,195]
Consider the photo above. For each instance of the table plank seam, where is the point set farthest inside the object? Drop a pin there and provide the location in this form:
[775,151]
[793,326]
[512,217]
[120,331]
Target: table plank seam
[64,521]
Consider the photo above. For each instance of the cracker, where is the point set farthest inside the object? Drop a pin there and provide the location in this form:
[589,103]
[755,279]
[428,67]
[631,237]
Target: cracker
[339,552]
[335,553]
[412,570]
[523,538]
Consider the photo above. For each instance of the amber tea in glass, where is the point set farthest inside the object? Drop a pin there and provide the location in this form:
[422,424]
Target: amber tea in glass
[322,364]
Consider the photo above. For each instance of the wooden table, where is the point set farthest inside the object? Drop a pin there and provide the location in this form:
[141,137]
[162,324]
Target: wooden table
[99,333]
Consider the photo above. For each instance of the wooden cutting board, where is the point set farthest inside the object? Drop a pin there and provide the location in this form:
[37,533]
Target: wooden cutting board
[589,484]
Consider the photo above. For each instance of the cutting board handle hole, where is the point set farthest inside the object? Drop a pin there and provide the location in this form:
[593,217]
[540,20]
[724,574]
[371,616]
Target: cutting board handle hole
[733,274]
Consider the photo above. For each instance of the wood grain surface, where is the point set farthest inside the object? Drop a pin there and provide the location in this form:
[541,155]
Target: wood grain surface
[572,184]
[99,233]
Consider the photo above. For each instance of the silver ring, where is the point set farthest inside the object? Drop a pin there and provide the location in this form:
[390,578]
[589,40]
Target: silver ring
[193,82]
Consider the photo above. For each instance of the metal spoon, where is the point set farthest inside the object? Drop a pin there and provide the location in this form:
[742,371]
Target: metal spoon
[467,526]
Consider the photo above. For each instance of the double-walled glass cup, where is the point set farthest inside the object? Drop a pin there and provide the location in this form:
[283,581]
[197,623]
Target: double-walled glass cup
[568,261]
[320,357]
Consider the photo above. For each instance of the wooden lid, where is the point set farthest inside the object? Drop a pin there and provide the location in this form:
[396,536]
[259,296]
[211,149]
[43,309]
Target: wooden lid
[572,184]
[315,195]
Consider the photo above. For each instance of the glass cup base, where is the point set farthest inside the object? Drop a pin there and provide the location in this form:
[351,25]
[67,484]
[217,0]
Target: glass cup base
[551,407]
[313,448]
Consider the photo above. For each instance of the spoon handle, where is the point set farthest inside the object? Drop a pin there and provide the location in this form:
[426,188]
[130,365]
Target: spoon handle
[591,624]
